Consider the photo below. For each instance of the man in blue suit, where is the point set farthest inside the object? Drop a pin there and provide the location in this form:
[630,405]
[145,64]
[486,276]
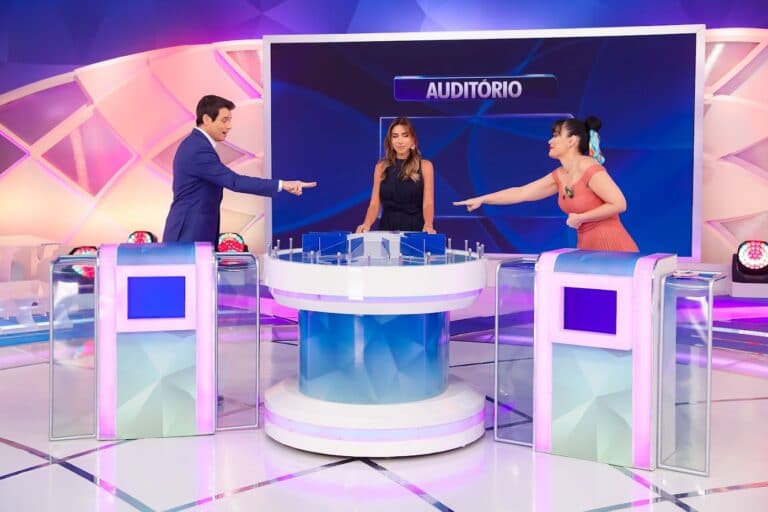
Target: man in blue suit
[199,177]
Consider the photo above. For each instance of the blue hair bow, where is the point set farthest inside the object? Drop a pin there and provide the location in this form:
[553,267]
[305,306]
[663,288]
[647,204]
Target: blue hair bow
[594,147]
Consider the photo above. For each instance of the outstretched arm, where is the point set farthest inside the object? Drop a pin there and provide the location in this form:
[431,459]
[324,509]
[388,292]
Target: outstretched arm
[606,189]
[533,191]
[428,203]
[375,202]
[209,167]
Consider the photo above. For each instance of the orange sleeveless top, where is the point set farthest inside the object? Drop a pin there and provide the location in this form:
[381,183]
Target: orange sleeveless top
[601,235]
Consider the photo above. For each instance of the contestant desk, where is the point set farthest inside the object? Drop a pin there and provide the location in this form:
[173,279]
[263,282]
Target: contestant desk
[597,351]
[144,337]
[596,332]
[374,332]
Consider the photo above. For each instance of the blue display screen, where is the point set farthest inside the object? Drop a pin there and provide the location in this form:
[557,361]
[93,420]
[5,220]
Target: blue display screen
[588,309]
[478,146]
[156,297]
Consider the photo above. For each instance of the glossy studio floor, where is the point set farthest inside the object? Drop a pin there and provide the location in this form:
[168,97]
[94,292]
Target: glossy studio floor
[246,470]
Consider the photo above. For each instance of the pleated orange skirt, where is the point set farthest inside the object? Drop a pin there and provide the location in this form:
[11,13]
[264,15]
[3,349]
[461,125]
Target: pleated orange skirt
[605,235]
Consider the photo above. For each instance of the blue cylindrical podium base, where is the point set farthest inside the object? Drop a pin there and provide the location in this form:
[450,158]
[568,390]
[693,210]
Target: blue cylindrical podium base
[373,359]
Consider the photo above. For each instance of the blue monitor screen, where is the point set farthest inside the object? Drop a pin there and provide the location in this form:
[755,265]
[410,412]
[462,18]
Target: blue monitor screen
[330,103]
[156,297]
[588,309]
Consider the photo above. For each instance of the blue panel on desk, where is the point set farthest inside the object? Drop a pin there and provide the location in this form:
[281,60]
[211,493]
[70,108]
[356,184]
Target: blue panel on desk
[373,359]
[156,297]
[310,242]
[589,309]
[156,254]
[418,244]
[329,242]
[598,262]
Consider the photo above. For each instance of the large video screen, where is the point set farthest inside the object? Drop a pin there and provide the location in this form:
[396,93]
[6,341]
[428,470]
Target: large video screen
[483,105]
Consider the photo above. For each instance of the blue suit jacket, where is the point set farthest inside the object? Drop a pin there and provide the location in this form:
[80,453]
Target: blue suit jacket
[199,178]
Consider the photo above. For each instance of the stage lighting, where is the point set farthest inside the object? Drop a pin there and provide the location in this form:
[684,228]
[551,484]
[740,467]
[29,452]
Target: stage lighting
[231,242]
[749,270]
[753,256]
[142,237]
[86,271]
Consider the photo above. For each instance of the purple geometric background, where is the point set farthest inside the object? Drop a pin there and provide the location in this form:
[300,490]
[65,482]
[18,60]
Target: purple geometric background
[42,38]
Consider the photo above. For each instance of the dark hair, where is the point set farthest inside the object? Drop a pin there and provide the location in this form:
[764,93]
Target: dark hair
[210,105]
[410,170]
[580,129]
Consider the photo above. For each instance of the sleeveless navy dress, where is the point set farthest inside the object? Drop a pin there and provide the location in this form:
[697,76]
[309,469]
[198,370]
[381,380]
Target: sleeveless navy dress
[401,201]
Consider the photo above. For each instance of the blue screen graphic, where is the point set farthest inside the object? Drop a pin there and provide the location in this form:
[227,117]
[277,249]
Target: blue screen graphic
[156,297]
[333,100]
[588,309]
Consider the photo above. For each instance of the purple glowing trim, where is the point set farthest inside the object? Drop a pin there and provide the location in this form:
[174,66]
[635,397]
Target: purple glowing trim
[544,299]
[642,362]
[13,139]
[184,111]
[376,434]
[270,307]
[380,300]
[726,314]
[237,301]
[743,332]
[106,343]
[205,346]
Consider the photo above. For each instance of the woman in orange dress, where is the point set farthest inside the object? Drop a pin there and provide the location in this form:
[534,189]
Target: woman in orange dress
[585,190]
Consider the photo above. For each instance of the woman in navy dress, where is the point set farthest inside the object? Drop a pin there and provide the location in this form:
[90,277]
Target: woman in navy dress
[403,184]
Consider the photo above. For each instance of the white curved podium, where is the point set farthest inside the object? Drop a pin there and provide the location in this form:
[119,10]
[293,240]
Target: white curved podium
[374,333]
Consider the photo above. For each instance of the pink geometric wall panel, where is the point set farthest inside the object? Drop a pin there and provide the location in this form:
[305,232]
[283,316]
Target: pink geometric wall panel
[246,203]
[37,201]
[164,157]
[731,177]
[747,227]
[251,114]
[185,73]
[234,220]
[757,154]
[35,114]
[735,168]
[101,79]
[249,61]
[100,143]
[138,199]
[227,152]
[91,155]
[733,125]
[724,56]
[142,111]
[254,235]
[10,153]
[99,226]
